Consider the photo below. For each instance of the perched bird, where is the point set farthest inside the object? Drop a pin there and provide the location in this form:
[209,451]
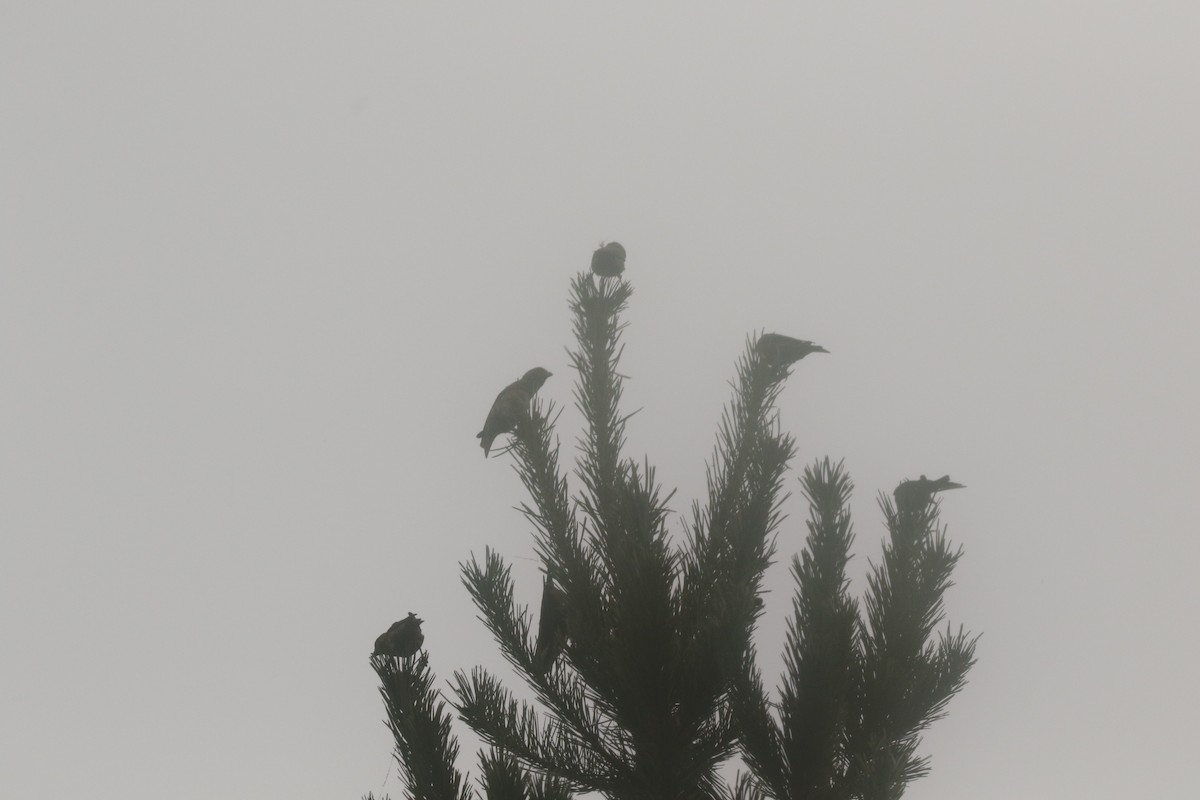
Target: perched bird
[775,348]
[609,260]
[552,627]
[510,405]
[403,639]
[915,495]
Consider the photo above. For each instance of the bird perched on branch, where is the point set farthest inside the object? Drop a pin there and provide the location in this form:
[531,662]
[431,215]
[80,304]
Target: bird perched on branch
[609,260]
[915,495]
[552,627]
[780,350]
[510,405]
[403,639]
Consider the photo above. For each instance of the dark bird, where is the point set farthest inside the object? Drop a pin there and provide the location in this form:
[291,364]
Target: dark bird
[552,628]
[780,350]
[403,639]
[915,495]
[609,260]
[510,405]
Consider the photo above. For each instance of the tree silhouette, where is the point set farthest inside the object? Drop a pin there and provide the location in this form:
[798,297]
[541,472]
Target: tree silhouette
[643,665]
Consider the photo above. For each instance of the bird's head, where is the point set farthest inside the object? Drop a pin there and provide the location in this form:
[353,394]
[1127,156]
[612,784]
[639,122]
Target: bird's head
[534,378]
[778,349]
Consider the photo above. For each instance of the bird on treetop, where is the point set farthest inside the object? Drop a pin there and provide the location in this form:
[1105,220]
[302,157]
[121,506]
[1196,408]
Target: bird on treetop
[510,405]
[609,260]
[915,495]
[780,350]
[403,639]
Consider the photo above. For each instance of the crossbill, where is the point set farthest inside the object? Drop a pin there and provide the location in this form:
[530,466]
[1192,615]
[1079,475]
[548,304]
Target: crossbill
[403,639]
[609,260]
[552,627]
[915,495]
[780,350]
[510,405]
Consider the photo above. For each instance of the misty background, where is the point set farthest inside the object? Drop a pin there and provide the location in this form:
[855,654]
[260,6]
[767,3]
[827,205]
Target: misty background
[264,266]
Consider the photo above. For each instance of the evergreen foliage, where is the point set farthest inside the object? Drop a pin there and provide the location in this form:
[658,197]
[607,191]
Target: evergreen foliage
[643,666]
[420,724]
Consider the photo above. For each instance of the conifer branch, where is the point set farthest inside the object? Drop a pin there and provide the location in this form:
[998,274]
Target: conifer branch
[800,754]
[731,538]
[491,587]
[731,541]
[425,748]
[746,427]
[545,787]
[492,712]
[904,680]
[597,308]
[503,778]
[745,787]
[758,732]
[821,643]
[557,539]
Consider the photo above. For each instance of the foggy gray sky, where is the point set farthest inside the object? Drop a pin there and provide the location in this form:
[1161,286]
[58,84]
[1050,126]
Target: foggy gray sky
[263,267]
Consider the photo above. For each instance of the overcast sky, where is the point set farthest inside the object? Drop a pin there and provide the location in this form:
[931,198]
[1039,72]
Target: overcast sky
[263,267]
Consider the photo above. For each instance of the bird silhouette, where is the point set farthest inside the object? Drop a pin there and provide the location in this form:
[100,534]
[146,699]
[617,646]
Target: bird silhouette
[510,405]
[915,495]
[609,260]
[403,639]
[780,350]
[552,627]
